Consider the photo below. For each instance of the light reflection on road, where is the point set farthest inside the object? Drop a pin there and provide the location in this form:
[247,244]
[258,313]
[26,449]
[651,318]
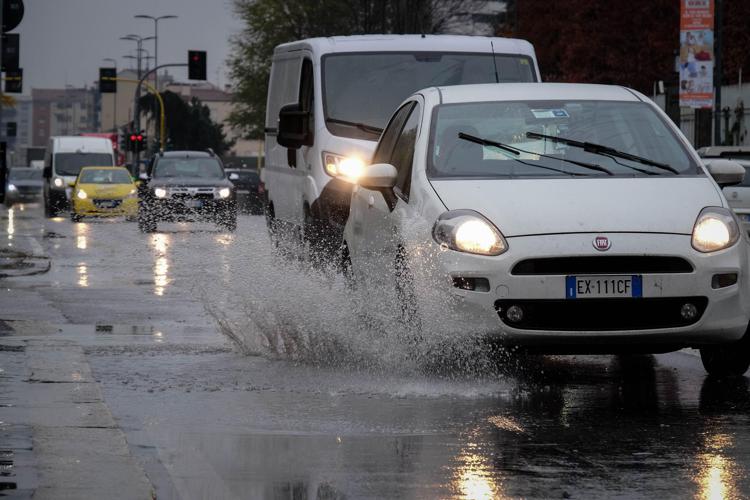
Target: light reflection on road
[82,232]
[11,223]
[474,477]
[83,275]
[160,243]
[717,473]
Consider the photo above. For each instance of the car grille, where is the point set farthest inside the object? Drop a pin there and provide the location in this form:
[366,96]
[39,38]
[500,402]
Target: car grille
[196,196]
[601,314]
[611,264]
[203,193]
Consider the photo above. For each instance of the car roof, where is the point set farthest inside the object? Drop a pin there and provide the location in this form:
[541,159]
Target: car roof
[533,92]
[104,168]
[183,154]
[409,43]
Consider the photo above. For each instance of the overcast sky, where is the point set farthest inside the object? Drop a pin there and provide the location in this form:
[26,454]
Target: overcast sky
[64,41]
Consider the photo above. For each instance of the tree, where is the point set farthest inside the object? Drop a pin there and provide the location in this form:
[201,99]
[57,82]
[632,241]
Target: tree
[269,23]
[189,124]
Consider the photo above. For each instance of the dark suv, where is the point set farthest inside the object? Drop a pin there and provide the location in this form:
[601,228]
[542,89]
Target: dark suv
[186,185]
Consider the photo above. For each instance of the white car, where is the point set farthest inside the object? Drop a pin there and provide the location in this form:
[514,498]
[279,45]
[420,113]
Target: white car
[567,217]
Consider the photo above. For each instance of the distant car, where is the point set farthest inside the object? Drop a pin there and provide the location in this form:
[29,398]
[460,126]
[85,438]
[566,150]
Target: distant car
[103,192]
[555,217]
[186,186]
[250,192]
[24,185]
[738,196]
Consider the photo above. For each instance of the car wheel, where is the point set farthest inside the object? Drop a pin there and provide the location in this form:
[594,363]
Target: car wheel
[730,360]
[405,293]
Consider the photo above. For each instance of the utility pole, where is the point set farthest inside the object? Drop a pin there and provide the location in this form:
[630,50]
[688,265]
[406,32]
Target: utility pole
[718,19]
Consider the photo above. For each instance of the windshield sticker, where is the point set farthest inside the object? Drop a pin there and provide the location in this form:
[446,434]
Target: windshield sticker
[550,113]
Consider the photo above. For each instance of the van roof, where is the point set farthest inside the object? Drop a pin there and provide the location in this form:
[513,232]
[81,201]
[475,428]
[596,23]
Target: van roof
[409,43]
[85,144]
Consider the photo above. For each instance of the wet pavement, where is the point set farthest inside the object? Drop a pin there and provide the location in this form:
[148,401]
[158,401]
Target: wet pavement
[194,363]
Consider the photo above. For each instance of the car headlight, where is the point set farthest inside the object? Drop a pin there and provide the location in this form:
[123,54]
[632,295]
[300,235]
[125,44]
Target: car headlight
[133,193]
[715,229]
[81,194]
[224,192]
[349,167]
[58,182]
[468,231]
[12,187]
[160,193]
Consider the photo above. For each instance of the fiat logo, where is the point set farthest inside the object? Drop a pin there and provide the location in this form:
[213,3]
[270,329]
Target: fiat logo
[602,243]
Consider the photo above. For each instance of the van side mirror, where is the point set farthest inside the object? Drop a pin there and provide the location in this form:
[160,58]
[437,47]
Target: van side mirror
[47,172]
[378,176]
[725,172]
[294,127]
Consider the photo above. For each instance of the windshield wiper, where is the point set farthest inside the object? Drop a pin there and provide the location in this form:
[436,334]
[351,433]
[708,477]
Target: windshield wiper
[517,151]
[599,149]
[362,126]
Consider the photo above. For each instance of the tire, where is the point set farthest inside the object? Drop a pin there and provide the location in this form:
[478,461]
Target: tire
[731,360]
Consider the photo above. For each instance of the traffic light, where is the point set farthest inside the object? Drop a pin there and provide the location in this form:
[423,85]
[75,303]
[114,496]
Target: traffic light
[14,81]
[11,129]
[197,64]
[107,80]
[136,141]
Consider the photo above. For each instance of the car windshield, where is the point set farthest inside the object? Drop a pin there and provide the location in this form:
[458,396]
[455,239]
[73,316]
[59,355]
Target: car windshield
[72,163]
[554,138]
[25,174]
[364,89]
[205,168]
[105,176]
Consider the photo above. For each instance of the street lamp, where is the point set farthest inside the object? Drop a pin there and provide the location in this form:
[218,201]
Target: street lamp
[139,42]
[156,40]
[114,118]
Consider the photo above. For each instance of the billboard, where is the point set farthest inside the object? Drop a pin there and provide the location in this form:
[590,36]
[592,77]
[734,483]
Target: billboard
[696,53]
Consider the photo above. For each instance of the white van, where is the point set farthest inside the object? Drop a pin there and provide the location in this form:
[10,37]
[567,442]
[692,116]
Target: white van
[66,155]
[330,98]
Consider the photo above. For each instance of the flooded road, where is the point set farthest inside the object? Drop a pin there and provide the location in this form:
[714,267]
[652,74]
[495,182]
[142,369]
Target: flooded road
[220,370]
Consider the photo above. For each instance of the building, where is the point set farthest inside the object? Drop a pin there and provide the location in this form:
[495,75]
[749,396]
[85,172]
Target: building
[66,111]
[478,17]
[21,115]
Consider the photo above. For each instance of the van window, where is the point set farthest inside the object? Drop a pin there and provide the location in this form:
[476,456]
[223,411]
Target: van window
[361,89]
[72,163]
[284,87]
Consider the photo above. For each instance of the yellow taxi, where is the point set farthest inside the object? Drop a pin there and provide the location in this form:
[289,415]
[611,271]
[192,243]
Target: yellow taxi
[102,192]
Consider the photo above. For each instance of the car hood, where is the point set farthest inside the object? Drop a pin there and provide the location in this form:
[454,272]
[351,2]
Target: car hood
[189,182]
[106,190]
[522,207]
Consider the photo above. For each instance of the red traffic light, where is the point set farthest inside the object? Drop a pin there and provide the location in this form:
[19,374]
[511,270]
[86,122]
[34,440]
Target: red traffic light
[139,137]
[133,137]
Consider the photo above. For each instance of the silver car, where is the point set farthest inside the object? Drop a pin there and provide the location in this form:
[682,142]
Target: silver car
[738,196]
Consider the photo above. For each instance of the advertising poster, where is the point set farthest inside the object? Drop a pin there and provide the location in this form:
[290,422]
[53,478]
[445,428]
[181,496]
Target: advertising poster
[696,53]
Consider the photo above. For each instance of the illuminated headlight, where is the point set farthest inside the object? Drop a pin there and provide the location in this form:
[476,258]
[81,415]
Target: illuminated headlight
[467,231]
[715,229]
[12,187]
[160,193]
[58,182]
[349,167]
[133,193]
[224,192]
[81,194]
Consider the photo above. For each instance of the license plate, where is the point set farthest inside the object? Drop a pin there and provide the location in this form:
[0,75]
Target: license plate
[106,204]
[193,203]
[593,287]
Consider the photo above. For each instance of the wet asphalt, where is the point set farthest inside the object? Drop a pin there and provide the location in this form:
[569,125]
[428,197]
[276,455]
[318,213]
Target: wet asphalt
[192,336]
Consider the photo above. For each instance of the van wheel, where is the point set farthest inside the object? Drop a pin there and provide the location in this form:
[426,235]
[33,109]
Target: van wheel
[731,360]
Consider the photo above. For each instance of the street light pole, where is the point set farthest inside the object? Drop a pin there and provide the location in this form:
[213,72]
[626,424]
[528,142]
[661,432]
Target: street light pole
[156,40]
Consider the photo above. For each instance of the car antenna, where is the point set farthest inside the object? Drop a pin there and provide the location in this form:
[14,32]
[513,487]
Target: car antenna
[494,62]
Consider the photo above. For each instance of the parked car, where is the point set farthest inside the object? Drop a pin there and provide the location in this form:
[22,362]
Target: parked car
[329,99]
[103,192]
[186,186]
[24,185]
[562,217]
[250,191]
[66,156]
[738,196]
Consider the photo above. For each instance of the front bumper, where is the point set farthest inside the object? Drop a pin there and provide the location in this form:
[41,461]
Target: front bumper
[189,208]
[105,208]
[723,312]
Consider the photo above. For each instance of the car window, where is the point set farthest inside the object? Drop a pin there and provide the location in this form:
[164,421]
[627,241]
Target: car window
[105,176]
[206,168]
[403,152]
[391,134]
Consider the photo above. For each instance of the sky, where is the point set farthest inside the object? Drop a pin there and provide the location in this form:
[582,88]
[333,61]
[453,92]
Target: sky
[64,41]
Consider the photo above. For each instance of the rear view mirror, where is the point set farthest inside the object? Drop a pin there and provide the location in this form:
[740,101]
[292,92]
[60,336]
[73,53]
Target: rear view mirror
[233,177]
[294,127]
[725,172]
[378,176]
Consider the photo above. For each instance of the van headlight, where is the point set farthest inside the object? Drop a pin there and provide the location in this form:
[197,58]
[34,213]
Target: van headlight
[224,192]
[81,194]
[160,193]
[468,231]
[12,187]
[58,182]
[348,167]
[715,229]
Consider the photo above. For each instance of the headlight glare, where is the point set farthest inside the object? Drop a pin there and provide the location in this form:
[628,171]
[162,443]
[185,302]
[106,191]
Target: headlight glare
[160,193]
[224,192]
[81,194]
[133,193]
[58,182]
[714,230]
[467,231]
[348,167]
[12,187]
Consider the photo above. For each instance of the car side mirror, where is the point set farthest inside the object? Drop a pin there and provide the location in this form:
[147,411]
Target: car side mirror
[294,127]
[233,177]
[378,176]
[47,172]
[725,172]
